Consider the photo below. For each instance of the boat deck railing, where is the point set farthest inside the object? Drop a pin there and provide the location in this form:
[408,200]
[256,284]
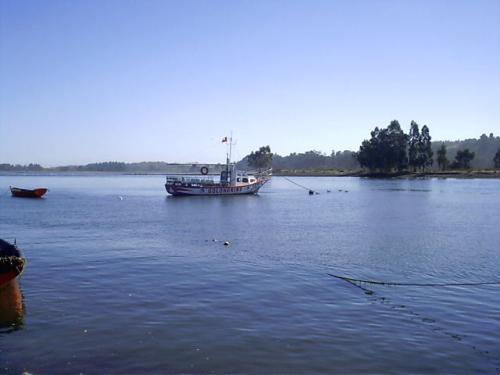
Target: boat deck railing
[206,180]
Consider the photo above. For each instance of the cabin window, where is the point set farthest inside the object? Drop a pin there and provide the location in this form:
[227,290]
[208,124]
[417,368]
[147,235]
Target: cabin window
[238,179]
[245,179]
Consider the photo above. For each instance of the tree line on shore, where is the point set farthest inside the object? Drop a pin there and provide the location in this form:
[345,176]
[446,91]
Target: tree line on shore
[264,158]
[388,149]
[391,149]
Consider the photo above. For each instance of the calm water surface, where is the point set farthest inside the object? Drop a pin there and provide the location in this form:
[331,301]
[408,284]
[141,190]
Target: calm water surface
[137,284]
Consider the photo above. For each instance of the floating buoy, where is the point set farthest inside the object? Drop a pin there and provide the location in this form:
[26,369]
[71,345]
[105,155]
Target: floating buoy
[311,192]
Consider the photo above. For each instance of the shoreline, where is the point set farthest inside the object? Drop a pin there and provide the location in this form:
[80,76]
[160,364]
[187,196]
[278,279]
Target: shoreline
[491,173]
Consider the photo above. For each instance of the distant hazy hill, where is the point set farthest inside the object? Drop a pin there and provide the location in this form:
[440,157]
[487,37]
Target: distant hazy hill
[316,160]
[310,160]
[485,149]
[120,167]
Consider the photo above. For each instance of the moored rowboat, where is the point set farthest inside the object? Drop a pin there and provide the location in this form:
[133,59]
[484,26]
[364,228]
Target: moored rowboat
[27,193]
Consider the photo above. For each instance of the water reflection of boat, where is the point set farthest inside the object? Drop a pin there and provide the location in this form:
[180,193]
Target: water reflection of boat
[28,193]
[11,307]
[11,266]
[11,262]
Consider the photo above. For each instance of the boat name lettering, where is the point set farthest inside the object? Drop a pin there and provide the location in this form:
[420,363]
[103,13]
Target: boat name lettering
[219,190]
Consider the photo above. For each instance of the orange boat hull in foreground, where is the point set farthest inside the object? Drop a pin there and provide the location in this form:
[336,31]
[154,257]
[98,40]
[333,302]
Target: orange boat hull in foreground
[26,193]
[11,262]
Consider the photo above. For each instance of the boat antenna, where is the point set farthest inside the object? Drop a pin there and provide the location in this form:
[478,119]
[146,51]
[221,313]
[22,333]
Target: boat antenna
[230,146]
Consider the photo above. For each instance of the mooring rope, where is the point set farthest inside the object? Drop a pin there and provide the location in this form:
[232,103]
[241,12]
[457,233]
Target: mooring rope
[299,185]
[355,282]
[351,280]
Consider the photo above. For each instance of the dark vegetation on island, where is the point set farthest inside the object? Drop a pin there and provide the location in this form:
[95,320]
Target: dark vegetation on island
[392,152]
[389,152]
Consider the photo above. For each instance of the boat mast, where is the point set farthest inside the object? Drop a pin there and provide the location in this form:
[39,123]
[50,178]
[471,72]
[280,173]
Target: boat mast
[228,155]
[230,147]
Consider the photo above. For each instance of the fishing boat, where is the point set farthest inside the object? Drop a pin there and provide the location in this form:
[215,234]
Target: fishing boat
[11,262]
[27,193]
[230,181]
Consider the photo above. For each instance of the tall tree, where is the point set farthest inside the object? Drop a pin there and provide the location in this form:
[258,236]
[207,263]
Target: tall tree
[262,158]
[424,148]
[366,154]
[386,150]
[399,141]
[496,159]
[463,159]
[442,160]
[413,143]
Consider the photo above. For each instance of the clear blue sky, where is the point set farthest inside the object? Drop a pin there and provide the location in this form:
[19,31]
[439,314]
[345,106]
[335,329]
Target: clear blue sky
[87,81]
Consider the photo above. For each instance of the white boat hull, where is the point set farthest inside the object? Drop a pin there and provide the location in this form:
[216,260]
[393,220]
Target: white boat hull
[186,189]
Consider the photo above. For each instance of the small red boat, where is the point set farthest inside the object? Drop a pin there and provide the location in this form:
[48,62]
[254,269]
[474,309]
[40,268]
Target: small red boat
[11,262]
[26,193]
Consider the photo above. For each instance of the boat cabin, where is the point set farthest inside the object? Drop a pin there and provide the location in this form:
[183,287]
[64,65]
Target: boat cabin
[229,177]
[246,179]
